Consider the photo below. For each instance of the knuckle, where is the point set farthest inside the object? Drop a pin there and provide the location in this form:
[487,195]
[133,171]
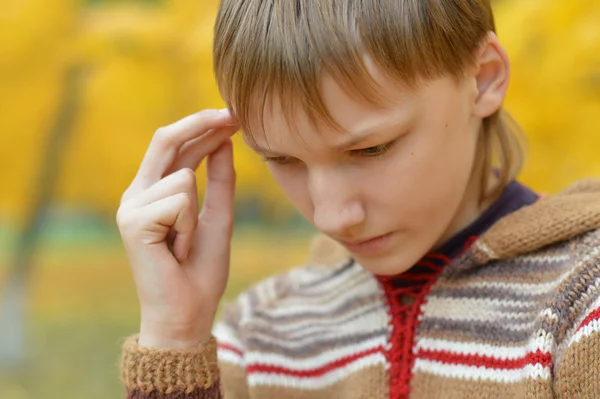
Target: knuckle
[187,177]
[164,137]
[124,218]
[185,200]
[125,197]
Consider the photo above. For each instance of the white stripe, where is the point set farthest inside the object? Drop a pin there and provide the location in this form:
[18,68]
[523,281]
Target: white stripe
[356,285]
[228,356]
[227,335]
[319,322]
[319,360]
[266,291]
[543,341]
[298,305]
[483,309]
[548,313]
[489,252]
[543,257]
[315,383]
[519,287]
[244,307]
[473,348]
[585,331]
[331,283]
[474,303]
[593,326]
[481,373]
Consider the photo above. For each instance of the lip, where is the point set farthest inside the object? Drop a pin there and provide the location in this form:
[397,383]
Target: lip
[368,246]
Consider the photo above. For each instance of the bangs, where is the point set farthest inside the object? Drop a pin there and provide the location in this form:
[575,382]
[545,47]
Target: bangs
[280,49]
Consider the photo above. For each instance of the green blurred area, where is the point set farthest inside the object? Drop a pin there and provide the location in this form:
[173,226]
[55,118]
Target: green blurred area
[82,304]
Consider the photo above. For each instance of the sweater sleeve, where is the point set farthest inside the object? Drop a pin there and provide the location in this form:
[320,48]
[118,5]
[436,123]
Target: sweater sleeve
[577,375]
[214,370]
[149,373]
[217,369]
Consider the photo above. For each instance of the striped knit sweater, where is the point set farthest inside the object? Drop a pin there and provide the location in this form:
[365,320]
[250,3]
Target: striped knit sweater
[516,315]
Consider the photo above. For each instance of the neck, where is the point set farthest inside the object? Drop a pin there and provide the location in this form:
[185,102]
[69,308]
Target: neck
[471,206]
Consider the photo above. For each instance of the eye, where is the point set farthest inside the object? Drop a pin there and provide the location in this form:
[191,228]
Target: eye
[374,151]
[278,160]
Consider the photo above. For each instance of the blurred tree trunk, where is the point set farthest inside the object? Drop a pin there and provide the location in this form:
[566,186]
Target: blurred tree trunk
[13,317]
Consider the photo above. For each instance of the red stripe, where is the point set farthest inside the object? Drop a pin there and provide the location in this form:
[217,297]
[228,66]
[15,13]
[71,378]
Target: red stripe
[595,315]
[230,348]
[314,372]
[537,357]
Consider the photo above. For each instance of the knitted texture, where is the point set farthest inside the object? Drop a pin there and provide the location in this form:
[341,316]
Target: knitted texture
[169,373]
[210,393]
[516,315]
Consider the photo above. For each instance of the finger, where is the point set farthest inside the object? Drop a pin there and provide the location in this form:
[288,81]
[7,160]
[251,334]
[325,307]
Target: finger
[182,181]
[217,209]
[167,142]
[194,151]
[175,212]
[215,225]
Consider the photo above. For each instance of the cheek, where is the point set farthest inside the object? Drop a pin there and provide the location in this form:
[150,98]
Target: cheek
[426,177]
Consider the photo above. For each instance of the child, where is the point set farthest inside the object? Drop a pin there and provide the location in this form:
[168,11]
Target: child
[438,275]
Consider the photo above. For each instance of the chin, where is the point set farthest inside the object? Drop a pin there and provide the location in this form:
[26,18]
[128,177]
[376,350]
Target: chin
[385,265]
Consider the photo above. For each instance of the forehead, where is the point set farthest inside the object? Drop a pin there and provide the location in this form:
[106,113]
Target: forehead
[351,113]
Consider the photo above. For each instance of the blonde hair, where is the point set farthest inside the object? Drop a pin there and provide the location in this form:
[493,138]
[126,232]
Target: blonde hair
[267,49]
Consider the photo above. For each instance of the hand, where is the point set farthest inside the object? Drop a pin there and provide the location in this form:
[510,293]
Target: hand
[179,257]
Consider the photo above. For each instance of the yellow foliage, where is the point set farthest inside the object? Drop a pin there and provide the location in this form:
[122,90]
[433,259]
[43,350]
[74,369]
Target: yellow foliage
[555,88]
[147,66]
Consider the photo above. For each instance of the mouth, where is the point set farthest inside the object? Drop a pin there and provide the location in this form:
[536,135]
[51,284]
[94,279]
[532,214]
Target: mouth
[368,246]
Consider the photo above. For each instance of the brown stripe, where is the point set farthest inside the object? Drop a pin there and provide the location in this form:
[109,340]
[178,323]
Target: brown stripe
[527,301]
[234,381]
[367,383]
[428,386]
[577,375]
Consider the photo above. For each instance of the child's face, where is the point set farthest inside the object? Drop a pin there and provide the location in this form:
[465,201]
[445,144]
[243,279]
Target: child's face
[407,177]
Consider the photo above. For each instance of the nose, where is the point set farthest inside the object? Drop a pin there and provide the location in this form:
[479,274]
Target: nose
[337,209]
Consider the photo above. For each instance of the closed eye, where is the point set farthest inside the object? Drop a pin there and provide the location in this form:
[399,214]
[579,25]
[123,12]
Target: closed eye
[364,152]
[374,151]
[278,160]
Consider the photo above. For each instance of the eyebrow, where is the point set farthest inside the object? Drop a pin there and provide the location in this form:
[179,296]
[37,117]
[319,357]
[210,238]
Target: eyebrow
[353,139]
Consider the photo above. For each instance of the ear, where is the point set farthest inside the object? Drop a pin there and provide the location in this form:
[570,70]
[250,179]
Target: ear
[492,72]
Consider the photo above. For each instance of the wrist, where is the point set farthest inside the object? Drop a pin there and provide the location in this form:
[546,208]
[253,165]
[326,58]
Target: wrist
[171,338]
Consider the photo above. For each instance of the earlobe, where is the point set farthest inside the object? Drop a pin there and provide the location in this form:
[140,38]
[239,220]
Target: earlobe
[492,76]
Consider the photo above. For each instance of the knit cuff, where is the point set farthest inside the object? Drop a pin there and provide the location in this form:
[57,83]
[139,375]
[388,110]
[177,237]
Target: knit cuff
[168,371]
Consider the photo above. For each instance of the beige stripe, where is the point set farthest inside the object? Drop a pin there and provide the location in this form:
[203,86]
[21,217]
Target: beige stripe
[233,380]
[577,374]
[427,386]
[368,383]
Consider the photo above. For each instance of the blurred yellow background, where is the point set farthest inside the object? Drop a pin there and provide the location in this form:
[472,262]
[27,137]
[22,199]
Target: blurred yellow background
[85,83]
